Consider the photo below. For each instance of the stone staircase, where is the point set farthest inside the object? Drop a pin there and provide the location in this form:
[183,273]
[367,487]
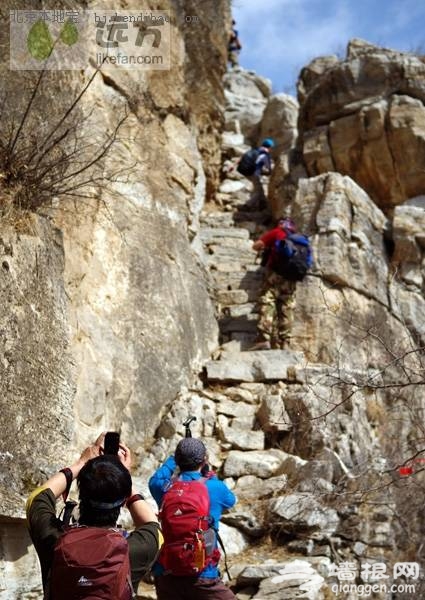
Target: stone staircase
[228,228]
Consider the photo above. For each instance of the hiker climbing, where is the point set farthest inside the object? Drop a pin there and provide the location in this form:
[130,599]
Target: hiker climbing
[90,558]
[234,47]
[191,502]
[287,257]
[254,164]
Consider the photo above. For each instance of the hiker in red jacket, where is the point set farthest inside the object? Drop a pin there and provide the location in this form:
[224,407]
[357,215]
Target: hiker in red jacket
[276,302]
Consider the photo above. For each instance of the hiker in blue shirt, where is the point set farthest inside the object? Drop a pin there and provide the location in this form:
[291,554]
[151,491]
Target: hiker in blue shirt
[186,465]
[263,166]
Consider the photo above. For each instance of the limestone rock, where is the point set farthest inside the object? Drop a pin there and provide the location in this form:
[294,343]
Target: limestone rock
[230,140]
[365,118]
[297,579]
[292,465]
[246,522]
[409,241]
[351,254]
[250,487]
[253,574]
[313,72]
[246,98]
[236,409]
[240,434]
[230,186]
[272,414]
[302,512]
[264,464]
[35,361]
[20,573]
[279,122]
[268,365]
[240,394]
[247,83]
[286,579]
[193,404]
[234,541]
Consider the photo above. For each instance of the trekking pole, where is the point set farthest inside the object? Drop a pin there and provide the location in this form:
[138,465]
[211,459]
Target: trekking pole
[186,425]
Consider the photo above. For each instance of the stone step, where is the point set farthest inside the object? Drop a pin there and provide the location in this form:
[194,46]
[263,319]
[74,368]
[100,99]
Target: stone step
[260,366]
[261,217]
[210,234]
[249,295]
[217,244]
[245,323]
[229,297]
[242,280]
[253,221]
[231,252]
[239,310]
[231,186]
[219,264]
[229,140]
[228,264]
[252,291]
[244,340]
[217,219]
[255,230]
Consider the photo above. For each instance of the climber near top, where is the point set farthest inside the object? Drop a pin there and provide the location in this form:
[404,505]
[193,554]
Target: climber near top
[191,500]
[254,164]
[233,47]
[91,557]
[287,257]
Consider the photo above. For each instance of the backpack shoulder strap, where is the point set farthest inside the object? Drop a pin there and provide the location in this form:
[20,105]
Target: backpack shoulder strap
[208,476]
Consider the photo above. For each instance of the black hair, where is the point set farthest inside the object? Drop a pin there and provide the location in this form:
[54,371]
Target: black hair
[104,484]
[189,466]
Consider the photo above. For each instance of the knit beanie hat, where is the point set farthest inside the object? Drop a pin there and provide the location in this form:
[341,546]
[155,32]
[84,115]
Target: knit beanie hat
[190,454]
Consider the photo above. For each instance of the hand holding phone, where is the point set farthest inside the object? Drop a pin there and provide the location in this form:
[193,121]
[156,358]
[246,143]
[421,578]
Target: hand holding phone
[111,444]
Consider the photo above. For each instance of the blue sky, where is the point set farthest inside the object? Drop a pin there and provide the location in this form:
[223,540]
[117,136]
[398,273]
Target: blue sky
[279,37]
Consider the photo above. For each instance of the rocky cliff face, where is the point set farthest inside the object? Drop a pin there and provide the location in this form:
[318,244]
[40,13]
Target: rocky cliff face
[364,117]
[105,314]
[112,307]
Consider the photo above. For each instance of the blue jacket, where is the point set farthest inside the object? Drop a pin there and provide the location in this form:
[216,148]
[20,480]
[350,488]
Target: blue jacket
[263,162]
[221,498]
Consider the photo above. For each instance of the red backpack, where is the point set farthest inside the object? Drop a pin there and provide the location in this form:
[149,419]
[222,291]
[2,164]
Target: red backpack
[91,563]
[189,539]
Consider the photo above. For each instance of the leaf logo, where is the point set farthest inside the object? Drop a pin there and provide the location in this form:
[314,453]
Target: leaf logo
[40,42]
[69,33]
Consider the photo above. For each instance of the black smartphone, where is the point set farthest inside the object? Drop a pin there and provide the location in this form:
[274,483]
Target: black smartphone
[111,444]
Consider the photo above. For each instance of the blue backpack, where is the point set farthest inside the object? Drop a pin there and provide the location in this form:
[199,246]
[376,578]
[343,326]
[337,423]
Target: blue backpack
[292,257]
